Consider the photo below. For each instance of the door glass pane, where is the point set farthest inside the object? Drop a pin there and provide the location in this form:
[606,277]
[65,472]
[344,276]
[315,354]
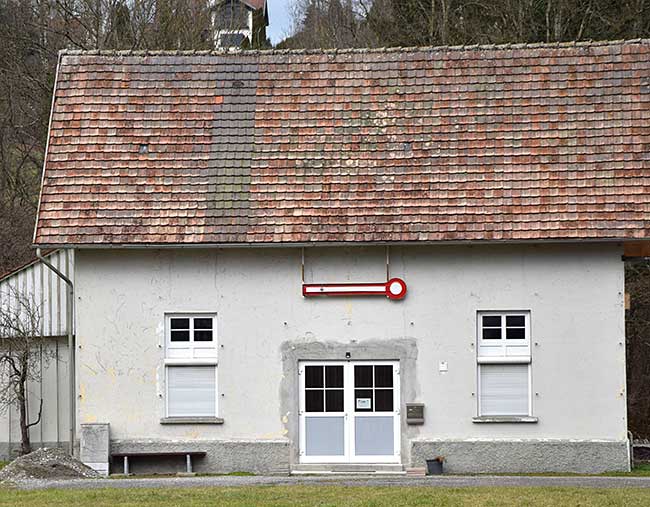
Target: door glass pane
[383,400]
[383,376]
[334,400]
[314,400]
[334,376]
[313,376]
[363,400]
[325,436]
[363,376]
[374,436]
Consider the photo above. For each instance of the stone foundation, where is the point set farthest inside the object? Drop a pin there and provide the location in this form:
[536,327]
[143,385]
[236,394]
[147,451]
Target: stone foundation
[222,456]
[524,456]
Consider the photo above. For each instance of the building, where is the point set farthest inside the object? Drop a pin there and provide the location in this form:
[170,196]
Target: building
[239,23]
[47,292]
[359,259]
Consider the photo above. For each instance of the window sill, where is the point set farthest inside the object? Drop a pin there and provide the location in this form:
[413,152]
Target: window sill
[191,420]
[504,419]
[504,360]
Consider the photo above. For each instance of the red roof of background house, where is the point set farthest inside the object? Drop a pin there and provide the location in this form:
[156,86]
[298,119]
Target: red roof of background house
[521,142]
[255,4]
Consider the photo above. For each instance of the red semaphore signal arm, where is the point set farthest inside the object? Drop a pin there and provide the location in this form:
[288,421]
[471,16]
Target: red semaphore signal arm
[395,288]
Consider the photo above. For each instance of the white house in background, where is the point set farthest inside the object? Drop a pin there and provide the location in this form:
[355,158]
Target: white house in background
[358,260]
[48,292]
[239,22]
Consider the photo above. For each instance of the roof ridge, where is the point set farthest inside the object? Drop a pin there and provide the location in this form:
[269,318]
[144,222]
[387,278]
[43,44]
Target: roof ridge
[397,49]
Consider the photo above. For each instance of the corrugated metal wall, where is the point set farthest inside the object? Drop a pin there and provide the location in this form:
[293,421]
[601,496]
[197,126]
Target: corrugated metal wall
[49,292]
[53,428]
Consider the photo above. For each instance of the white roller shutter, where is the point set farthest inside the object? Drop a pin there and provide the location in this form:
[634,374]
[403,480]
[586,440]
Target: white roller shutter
[191,391]
[504,389]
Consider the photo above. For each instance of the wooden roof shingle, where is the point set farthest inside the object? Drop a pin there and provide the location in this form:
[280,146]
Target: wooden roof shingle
[521,142]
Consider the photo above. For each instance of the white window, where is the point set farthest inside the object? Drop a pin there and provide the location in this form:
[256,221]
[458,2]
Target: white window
[191,365]
[191,336]
[504,334]
[504,361]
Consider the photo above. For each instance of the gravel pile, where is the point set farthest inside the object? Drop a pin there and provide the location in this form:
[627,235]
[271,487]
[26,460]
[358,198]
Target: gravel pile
[45,464]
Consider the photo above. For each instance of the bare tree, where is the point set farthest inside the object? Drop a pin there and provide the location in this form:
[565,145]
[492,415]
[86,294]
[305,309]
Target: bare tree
[22,357]
[455,22]
[31,34]
[637,282]
[326,24]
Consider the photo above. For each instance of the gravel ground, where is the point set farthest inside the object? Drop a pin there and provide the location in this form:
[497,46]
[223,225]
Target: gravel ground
[439,481]
[45,464]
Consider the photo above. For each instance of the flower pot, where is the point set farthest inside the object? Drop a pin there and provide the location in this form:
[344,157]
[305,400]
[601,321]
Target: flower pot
[434,467]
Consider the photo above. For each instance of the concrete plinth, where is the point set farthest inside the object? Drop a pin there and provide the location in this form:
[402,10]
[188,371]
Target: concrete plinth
[95,446]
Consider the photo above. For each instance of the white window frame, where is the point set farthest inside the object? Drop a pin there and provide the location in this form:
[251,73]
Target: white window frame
[500,351]
[185,354]
[503,350]
[190,350]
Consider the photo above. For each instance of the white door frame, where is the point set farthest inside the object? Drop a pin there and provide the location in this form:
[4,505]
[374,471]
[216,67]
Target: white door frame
[301,414]
[350,415]
[349,394]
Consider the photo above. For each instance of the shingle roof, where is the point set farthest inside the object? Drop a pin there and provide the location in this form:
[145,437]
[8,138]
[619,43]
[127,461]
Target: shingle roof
[529,142]
[255,4]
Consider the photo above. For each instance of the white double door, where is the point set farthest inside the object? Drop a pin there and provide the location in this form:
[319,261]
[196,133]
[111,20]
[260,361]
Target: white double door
[349,412]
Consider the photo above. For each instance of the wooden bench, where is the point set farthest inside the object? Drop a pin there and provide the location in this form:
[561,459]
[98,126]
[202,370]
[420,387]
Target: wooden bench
[141,454]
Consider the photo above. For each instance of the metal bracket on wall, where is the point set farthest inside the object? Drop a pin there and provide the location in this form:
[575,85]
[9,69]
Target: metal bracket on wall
[393,288]
[387,262]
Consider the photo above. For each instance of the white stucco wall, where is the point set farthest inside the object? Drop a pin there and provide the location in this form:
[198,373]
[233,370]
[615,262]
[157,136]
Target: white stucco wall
[575,294]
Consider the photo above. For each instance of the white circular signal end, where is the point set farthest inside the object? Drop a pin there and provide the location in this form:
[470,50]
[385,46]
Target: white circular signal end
[396,288]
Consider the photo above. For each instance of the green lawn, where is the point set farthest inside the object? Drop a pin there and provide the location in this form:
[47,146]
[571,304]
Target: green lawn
[328,496]
[641,470]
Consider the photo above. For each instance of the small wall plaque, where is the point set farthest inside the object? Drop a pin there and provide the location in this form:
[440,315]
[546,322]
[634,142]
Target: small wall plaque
[415,413]
[364,404]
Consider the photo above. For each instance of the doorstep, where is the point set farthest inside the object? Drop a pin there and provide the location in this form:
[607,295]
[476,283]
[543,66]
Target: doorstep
[348,469]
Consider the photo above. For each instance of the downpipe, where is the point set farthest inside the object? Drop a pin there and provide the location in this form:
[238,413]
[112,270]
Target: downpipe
[71,346]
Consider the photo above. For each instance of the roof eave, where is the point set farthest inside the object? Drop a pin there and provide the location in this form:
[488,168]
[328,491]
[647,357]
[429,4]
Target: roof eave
[312,244]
